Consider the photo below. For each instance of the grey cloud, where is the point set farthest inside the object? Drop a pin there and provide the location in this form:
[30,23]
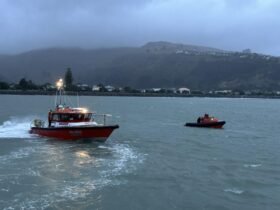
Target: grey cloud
[52,6]
[227,24]
[240,3]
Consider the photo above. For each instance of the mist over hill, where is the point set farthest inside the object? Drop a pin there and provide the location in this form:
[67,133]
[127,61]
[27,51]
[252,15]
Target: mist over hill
[156,64]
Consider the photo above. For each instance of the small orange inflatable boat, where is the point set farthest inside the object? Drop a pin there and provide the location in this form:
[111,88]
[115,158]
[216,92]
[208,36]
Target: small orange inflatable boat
[207,122]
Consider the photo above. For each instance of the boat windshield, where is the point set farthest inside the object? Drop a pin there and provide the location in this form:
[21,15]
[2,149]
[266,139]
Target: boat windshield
[71,117]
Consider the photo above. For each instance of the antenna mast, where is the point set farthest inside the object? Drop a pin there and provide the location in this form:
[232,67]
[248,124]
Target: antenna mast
[59,85]
[78,100]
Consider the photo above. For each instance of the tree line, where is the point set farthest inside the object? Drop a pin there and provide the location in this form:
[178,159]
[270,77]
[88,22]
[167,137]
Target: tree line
[25,84]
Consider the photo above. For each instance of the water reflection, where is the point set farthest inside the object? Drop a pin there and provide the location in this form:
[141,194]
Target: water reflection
[82,154]
[83,157]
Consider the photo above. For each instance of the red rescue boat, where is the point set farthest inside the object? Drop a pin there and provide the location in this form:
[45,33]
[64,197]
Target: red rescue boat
[72,123]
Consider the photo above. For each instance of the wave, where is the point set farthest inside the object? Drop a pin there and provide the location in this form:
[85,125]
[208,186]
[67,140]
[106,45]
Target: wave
[252,165]
[16,128]
[234,191]
[124,155]
[19,154]
[112,161]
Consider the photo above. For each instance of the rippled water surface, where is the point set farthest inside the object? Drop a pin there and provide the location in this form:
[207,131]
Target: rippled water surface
[151,162]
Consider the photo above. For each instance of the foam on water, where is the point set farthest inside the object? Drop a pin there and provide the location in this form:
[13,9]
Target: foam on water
[19,154]
[16,128]
[234,191]
[124,155]
[123,160]
[252,165]
[119,165]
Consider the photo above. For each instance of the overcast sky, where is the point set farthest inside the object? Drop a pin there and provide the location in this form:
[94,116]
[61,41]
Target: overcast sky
[225,24]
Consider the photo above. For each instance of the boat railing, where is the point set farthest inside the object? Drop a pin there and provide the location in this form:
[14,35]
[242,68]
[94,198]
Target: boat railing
[37,123]
[103,116]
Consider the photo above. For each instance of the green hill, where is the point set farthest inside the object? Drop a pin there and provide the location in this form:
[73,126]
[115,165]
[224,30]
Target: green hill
[157,64]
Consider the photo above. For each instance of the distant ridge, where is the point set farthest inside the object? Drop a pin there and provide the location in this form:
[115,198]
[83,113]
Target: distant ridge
[169,47]
[156,64]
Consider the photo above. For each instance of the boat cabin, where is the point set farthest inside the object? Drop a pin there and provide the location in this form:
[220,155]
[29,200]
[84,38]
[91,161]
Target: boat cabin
[67,114]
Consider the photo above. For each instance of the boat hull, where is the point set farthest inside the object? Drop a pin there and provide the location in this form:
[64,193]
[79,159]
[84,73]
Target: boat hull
[96,133]
[218,124]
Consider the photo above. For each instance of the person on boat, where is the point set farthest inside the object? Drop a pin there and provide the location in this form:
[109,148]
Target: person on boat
[205,118]
[50,118]
[198,120]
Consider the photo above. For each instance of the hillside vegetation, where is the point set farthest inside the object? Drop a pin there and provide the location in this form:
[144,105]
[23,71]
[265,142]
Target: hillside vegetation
[157,64]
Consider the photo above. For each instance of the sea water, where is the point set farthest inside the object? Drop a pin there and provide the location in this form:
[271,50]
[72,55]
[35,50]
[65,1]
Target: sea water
[151,162]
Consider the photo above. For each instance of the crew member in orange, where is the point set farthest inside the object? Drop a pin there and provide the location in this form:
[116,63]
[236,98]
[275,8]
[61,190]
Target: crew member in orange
[205,118]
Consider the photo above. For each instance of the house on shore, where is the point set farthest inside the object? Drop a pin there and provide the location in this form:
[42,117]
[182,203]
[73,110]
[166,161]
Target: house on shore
[109,88]
[83,87]
[184,90]
[223,92]
[96,88]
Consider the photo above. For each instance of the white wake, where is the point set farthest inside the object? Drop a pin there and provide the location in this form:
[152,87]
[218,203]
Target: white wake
[16,128]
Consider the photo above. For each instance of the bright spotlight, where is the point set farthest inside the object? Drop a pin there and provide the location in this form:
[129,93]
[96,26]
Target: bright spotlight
[59,84]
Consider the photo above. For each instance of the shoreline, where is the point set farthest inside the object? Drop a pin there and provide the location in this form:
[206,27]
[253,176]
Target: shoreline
[122,94]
